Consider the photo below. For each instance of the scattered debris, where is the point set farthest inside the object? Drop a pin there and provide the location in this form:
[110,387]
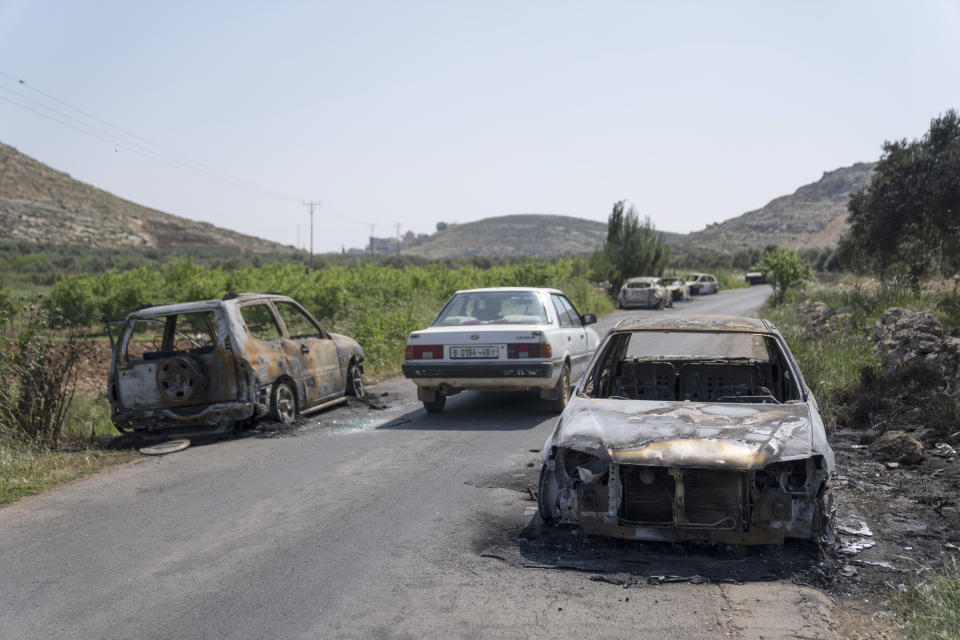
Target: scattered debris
[163,448]
[944,450]
[849,571]
[893,465]
[855,546]
[861,530]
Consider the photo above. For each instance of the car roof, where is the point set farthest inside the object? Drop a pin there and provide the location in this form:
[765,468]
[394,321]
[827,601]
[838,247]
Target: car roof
[695,322]
[508,289]
[643,279]
[203,305]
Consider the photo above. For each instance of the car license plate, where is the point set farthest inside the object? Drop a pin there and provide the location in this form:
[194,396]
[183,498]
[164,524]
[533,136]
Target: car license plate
[461,353]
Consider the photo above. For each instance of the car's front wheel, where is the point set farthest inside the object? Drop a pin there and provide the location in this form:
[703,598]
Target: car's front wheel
[436,405]
[355,381]
[283,403]
[547,496]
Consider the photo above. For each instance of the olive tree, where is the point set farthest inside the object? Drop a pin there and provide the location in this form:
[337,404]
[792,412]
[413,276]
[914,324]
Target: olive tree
[906,223]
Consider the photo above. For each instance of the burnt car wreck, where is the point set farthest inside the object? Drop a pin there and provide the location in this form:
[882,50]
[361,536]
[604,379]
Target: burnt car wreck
[202,367]
[691,428]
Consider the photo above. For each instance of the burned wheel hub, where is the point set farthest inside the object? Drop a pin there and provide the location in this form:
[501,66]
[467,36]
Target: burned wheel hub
[178,378]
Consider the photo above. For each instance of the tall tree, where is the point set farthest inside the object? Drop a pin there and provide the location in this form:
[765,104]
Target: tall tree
[631,248]
[906,223]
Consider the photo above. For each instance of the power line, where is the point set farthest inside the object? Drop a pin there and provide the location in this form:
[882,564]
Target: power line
[164,155]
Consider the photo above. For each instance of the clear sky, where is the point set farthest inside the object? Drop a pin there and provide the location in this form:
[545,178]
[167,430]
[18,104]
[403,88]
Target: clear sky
[416,112]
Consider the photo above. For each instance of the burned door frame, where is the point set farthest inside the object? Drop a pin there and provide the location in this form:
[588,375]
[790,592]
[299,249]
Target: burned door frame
[318,356]
[130,394]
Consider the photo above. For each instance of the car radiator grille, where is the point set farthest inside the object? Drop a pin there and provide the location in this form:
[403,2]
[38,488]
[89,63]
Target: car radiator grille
[711,499]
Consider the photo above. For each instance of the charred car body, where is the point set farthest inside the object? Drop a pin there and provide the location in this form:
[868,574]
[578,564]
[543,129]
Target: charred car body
[691,427]
[644,292]
[199,367]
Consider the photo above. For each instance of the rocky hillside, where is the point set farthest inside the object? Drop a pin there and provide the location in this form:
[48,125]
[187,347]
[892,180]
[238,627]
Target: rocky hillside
[41,204]
[815,215]
[534,235]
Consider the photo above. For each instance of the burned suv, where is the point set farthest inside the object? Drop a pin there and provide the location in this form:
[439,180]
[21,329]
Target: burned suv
[691,427]
[201,367]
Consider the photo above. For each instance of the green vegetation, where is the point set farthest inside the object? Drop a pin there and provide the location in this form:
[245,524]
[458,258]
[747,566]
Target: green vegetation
[630,249]
[839,364]
[785,270]
[25,470]
[377,305]
[904,225]
[48,435]
[932,606]
[830,363]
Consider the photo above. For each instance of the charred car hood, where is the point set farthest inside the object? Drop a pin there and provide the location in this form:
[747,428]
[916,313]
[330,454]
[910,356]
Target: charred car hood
[691,434]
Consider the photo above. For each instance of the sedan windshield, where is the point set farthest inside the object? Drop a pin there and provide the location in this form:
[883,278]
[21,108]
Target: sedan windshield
[492,307]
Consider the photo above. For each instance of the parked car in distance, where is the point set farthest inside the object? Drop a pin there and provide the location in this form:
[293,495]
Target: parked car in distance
[702,283]
[691,427]
[677,287]
[201,367]
[501,339]
[644,292]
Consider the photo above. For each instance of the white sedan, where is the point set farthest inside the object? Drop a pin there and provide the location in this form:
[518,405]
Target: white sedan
[501,339]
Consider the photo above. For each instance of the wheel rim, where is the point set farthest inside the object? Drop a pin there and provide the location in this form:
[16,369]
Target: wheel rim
[357,381]
[178,379]
[286,404]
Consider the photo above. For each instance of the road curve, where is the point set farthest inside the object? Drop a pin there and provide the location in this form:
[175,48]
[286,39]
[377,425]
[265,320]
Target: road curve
[374,521]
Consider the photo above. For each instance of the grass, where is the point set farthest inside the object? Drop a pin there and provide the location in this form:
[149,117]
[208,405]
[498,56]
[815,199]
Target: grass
[931,607]
[829,363]
[26,469]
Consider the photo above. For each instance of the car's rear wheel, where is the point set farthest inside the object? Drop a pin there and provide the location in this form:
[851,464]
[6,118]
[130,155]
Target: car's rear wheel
[283,403]
[559,403]
[355,381]
[436,405]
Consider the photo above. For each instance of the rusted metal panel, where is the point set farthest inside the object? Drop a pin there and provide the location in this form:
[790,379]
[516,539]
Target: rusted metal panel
[704,435]
[693,322]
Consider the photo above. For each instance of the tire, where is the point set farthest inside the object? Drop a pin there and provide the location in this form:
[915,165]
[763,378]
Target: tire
[179,378]
[544,496]
[659,306]
[558,404]
[355,386]
[283,403]
[436,405]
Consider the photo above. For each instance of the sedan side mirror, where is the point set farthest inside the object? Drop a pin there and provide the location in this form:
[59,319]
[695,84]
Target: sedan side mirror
[589,318]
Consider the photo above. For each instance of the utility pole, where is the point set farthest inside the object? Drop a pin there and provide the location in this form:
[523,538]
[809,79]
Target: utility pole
[373,225]
[311,205]
[397,225]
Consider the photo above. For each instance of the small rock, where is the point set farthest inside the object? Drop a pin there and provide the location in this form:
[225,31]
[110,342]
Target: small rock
[893,465]
[897,446]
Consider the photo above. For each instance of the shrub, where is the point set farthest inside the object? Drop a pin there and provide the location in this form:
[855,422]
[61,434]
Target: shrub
[38,375]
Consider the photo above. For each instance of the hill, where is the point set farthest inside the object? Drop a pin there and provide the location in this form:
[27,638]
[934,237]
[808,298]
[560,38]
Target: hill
[41,204]
[815,215]
[535,235]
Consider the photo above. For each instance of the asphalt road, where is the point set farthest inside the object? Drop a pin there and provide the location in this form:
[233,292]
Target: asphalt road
[367,522]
